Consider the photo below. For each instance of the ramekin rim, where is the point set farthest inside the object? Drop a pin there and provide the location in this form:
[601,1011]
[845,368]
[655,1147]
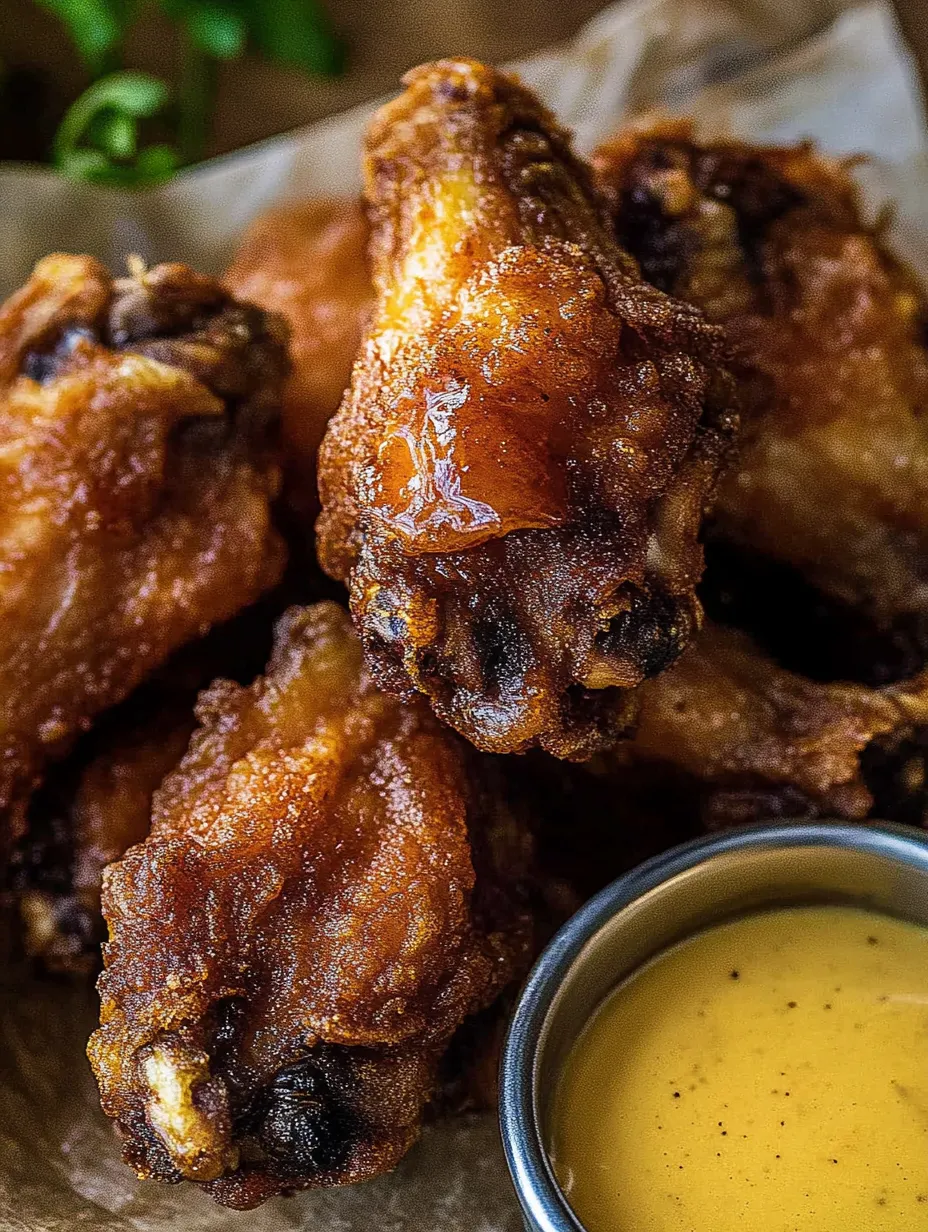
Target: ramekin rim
[539,1195]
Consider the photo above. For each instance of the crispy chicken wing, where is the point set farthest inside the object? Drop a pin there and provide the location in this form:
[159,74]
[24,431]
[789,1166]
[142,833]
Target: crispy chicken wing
[332,884]
[136,479]
[828,330]
[309,263]
[727,735]
[515,481]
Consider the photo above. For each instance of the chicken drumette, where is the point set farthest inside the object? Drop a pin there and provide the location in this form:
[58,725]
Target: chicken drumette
[136,472]
[514,484]
[819,539]
[333,882]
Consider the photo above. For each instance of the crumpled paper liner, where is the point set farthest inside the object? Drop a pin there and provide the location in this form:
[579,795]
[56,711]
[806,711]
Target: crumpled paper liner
[768,70]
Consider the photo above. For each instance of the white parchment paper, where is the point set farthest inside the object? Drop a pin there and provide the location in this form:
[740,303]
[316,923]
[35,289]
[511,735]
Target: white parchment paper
[768,70]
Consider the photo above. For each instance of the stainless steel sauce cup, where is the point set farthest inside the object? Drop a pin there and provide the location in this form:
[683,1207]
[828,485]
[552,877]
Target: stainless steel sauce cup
[661,902]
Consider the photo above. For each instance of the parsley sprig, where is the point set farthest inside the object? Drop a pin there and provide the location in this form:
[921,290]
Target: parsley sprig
[133,129]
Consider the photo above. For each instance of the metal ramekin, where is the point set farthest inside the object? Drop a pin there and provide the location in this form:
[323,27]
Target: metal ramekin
[662,901]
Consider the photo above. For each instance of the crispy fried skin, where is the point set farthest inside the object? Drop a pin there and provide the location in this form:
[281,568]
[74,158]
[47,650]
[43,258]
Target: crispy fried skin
[135,488]
[329,889]
[831,477]
[515,481]
[308,262]
[728,735]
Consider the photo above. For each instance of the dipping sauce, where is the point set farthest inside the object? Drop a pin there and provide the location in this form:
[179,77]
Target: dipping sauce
[767,1075]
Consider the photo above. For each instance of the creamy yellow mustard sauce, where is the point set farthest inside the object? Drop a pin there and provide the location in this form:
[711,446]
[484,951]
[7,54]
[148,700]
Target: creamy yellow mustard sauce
[767,1075]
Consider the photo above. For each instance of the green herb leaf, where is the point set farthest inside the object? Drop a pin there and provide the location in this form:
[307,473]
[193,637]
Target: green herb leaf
[84,164]
[96,27]
[114,132]
[156,163]
[295,32]
[98,138]
[217,31]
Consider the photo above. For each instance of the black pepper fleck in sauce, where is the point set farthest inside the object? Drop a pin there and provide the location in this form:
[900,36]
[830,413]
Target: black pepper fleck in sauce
[742,1009]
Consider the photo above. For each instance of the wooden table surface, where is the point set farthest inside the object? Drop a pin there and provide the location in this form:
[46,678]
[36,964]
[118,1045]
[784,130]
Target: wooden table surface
[384,37]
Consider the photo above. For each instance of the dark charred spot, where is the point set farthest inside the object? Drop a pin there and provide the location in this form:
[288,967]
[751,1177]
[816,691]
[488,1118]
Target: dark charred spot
[666,246]
[896,773]
[652,632]
[662,246]
[301,1118]
[502,651]
[144,1151]
[750,185]
[235,350]
[44,364]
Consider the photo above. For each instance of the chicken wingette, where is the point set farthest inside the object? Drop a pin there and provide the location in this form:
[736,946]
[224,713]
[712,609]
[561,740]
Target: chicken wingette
[332,884]
[137,471]
[728,737]
[514,485]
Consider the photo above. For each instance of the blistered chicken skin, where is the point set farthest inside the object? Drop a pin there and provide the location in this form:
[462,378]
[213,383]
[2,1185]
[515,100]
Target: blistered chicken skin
[515,482]
[331,885]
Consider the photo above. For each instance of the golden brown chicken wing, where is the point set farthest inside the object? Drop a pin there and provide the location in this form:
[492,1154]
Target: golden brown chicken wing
[329,888]
[728,736]
[830,483]
[136,479]
[516,479]
[308,262]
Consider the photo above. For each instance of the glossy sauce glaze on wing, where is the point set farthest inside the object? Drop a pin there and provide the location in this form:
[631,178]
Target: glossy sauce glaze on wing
[137,469]
[308,262]
[828,333]
[516,479]
[331,885]
[727,737]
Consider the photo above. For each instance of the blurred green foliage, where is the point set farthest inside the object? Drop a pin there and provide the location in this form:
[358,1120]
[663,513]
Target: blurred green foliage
[107,133]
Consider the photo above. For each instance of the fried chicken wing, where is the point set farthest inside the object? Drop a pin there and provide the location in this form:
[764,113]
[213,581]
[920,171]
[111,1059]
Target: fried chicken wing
[728,736]
[515,481]
[331,885]
[136,475]
[828,330]
[308,262]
